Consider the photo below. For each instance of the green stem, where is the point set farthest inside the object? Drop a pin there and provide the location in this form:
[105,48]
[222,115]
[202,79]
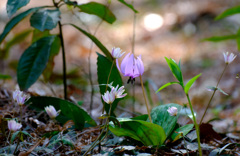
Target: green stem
[19,136]
[144,95]
[196,126]
[213,94]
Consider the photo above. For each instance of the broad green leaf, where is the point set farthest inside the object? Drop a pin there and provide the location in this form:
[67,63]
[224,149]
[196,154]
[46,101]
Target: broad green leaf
[228,12]
[69,111]
[45,19]
[176,71]
[96,41]
[14,5]
[4,77]
[16,39]
[37,34]
[146,132]
[99,10]
[161,117]
[221,38]
[33,61]
[55,48]
[184,130]
[190,83]
[166,85]
[143,117]
[103,70]
[14,21]
[128,5]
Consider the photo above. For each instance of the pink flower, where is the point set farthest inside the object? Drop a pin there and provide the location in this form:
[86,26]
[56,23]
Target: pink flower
[13,125]
[119,92]
[130,66]
[229,58]
[172,111]
[109,97]
[51,111]
[117,53]
[19,97]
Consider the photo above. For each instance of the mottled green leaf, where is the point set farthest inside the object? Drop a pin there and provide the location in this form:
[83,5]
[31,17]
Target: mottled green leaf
[161,117]
[146,132]
[181,131]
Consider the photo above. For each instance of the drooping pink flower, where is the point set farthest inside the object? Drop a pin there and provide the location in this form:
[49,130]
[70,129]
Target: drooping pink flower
[13,125]
[109,97]
[130,66]
[117,53]
[229,58]
[51,111]
[172,111]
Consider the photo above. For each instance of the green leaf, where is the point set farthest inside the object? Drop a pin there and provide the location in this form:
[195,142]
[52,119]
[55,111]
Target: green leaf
[103,70]
[190,83]
[55,48]
[69,111]
[128,5]
[161,117]
[146,132]
[221,38]
[238,39]
[5,77]
[228,12]
[14,21]
[96,41]
[99,10]
[14,5]
[143,117]
[184,130]
[176,71]
[33,62]
[26,133]
[166,85]
[14,135]
[45,19]
[222,91]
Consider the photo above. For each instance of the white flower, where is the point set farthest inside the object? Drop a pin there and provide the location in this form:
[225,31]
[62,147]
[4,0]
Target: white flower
[13,125]
[119,92]
[172,111]
[51,111]
[109,97]
[117,53]
[229,58]
[19,97]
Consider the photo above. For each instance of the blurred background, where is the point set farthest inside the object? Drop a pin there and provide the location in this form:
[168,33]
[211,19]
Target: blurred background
[161,28]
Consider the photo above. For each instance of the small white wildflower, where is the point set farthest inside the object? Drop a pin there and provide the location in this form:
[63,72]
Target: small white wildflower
[109,97]
[172,111]
[13,125]
[117,53]
[229,58]
[51,111]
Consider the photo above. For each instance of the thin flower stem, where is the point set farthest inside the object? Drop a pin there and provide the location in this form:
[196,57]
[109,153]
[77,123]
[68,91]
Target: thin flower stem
[21,114]
[149,116]
[196,126]
[107,85]
[213,94]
